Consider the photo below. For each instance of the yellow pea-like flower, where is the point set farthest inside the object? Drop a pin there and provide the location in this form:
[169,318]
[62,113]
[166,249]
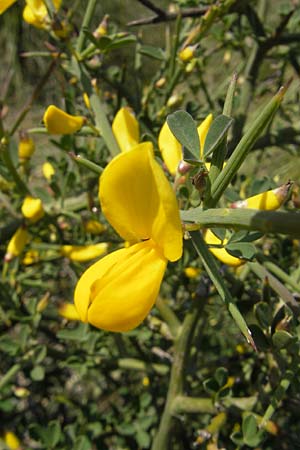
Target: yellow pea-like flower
[35,12]
[191,272]
[17,243]
[26,146]
[117,292]
[268,200]
[126,129]
[11,440]
[48,170]
[58,121]
[68,311]
[5,4]
[171,149]
[32,209]
[221,253]
[82,253]
[30,257]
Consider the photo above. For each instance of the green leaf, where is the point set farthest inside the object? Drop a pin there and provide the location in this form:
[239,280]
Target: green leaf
[152,52]
[82,443]
[243,250]
[37,373]
[251,434]
[217,131]
[282,339]
[221,376]
[143,438]
[263,314]
[80,333]
[184,129]
[259,337]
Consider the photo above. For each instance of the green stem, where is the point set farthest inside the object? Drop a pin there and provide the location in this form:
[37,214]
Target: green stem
[103,125]
[283,276]
[213,272]
[86,163]
[162,439]
[9,375]
[184,404]
[169,316]
[243,148]
[136,364]
[21,186]
[88,17]
[245,219]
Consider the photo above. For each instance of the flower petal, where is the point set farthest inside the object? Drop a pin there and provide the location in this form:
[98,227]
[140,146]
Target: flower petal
[126,129]
[202,132]
[5,4]
[171,149]
[83,253]
[117,292]
[139,202]
[58,121]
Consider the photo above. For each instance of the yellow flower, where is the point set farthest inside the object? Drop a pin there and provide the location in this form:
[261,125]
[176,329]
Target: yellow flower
[48,170]
[68,311]
[58,121]
[11,440]
[83,253]
[126,129]
[35,12]
[94,227]
[191,272]
[5,4]
[221,253]
[268,200]
[26,146]
[171,149]
[187,53]
[17,243]
[117,292]
[32,209]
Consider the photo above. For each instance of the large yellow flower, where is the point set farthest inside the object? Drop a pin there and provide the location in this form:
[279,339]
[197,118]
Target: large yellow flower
[117,292]
[35,12]
[171,149]
[126,129]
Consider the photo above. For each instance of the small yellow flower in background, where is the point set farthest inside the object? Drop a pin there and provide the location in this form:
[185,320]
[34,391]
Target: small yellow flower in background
[126,129]
[187,53]
[101,30]
[30,257]
[191,272]
[5,4]
[68,311]
[221,253]
[145,381]
[26,146]
[82,253]
[58,121]
[268,200]
[11,440]
[171,149]
[32,209]
[117,292]
[17,243]
[86,100]
[48,170]
[35,12]
[94,227]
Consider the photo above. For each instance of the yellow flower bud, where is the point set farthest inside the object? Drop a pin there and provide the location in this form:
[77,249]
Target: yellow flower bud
[221,253]
[5,4]
[191,272]
[187,53]
[268,200]
[11,440]
[35,13]
[174,100]
[43,302]
[94,227]
[68,311]
[30,257]
[48,170]
[86,100]
[26,146]
[102,27]
[58,121]
[146,381]
[82,253]
[32,209]
[21,392]
[17,243]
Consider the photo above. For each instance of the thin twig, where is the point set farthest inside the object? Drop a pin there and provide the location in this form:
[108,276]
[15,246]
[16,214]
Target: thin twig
[168,16]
